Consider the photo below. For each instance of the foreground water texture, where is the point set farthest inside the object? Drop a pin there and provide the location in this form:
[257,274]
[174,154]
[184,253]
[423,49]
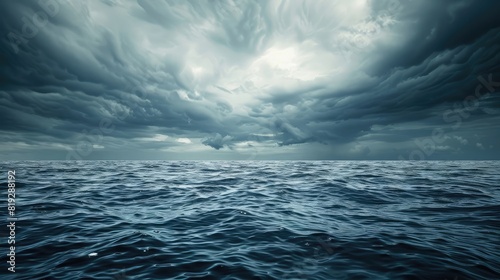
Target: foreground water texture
[255,220]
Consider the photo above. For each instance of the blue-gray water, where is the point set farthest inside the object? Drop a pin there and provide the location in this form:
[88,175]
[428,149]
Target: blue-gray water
[255,220]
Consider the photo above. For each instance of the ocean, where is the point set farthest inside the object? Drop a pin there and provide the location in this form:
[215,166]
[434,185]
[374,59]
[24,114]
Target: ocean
[253,220]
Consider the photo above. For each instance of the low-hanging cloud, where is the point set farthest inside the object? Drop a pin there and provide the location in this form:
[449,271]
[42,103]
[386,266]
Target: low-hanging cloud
[311,79]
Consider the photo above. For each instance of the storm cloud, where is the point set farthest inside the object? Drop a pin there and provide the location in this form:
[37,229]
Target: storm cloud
[249,79]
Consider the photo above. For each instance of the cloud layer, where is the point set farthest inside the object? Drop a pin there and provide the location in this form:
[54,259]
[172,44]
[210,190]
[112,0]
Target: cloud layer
[249,79]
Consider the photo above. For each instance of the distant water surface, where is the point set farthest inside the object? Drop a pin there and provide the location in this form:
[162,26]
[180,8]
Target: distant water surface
[255,220]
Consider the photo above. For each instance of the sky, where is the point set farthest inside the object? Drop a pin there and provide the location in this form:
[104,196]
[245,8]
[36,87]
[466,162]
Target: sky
[250,80]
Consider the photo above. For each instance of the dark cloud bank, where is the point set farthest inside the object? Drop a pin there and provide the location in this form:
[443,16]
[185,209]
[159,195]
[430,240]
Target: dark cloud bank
[249,79]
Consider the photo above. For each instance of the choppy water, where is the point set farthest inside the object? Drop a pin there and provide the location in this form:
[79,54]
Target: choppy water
[255,220]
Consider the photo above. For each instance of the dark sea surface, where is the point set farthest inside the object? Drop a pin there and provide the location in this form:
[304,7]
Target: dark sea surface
[254,220]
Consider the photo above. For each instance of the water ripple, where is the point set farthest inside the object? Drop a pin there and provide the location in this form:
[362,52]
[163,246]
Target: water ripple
[257,220]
